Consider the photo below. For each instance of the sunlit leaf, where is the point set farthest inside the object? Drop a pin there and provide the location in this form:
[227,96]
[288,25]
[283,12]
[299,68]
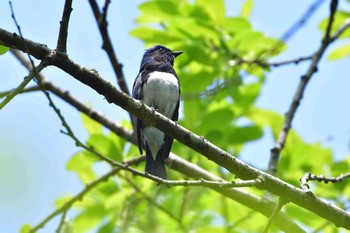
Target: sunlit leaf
[91,125]
[89,218]
[215,9]
[3,49]
[25,228]
[246,134]
[340,52]
[237,24]
[247,8]
[109,146]
[107,228]
[81,163]
[340,18]
[158,11]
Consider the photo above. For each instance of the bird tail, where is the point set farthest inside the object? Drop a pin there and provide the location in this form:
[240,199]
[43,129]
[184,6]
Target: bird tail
[156,166]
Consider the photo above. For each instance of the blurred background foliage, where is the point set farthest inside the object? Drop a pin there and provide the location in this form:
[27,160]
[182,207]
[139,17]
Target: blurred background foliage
[220,83]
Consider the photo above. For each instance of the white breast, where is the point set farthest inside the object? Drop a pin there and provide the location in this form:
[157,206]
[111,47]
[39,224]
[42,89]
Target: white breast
[162,92]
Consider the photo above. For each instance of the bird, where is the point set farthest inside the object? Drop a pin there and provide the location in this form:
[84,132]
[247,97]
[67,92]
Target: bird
[157,85]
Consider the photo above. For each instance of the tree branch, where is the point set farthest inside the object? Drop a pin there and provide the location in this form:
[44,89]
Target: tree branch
[281,203]
[287,124]
[63,34]
[262,206]
[107,44]
[310,177]
[272,184]
[74,101]
[26,90]
[24,83]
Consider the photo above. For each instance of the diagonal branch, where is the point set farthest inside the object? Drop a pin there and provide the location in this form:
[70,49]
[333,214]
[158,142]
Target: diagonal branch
[78,104]
[107,44]
[63,34]
[287,124]
[23,84]
[263,206]
[272,184]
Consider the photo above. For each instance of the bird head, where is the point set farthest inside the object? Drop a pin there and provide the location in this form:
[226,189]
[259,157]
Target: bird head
[160,53]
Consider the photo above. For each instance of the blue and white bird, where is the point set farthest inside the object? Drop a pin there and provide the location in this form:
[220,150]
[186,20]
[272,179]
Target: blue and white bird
[157,86]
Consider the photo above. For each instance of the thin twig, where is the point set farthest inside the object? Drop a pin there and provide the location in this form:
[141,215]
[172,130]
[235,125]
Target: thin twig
[24,83]
[20,32]
[74,101]
[82,194]
[287,124]
[281,203]
[63,217]
[25,90]
[63,34]
[276,64]
[31,75]
[302,20]
[321,178]
[76,198]
[107,44]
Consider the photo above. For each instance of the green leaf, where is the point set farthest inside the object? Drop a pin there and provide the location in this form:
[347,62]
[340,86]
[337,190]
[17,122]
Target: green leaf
[82,163]
[110,146]
[210,120]
[237,24]
[59,202]
[215,9]
[89,218]
[340,52]
[196,29]
[3,49]
[339,19]
[158,11]
[246,134]
[107,228]
[91,125]
[247,8]
[25,228]
[152,35]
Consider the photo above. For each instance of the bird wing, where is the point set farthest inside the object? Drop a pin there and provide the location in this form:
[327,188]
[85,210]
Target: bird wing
[168,141]
[137,94]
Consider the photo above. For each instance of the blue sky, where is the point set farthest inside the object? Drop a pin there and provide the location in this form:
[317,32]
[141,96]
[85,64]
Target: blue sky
[33,152]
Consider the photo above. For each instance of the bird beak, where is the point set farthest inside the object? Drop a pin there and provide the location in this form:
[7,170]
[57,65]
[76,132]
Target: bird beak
[177,53]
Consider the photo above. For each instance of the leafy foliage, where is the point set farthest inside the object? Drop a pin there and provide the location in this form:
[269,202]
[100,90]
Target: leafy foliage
[3,49]
[339,19]
[219,94]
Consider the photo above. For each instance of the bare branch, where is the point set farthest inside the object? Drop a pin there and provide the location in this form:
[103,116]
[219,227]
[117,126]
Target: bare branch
[273,64]
[74,101]
[310,177]
[287,124]
[303,19]
[63,34]
[24,83]
[19,31]
[256,203]
[76,198]
[25,90]
[107,44]
[31,75]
